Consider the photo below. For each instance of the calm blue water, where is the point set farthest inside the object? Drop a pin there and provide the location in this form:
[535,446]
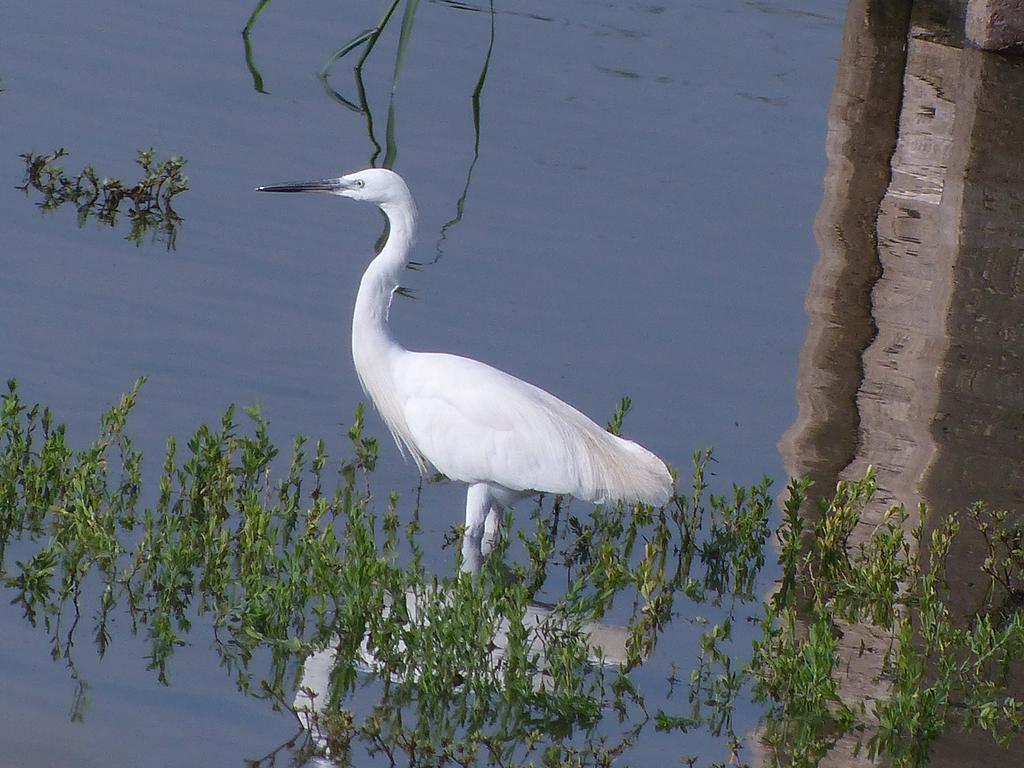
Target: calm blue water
[638,223]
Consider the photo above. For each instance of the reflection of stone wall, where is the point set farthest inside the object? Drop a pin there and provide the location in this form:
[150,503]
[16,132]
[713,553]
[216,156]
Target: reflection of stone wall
[996,25]
[978,423]
[914,361]
[862,134]
[899,391]
[861,138]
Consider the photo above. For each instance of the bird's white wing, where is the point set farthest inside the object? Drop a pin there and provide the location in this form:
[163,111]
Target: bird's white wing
[475,423]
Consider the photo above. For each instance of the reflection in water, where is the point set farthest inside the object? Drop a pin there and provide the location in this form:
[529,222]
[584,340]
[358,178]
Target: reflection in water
[860,141]
[250,61]
[367,40]
[913,360]
[605,644]
[460,205]
[364,42]
[100,198]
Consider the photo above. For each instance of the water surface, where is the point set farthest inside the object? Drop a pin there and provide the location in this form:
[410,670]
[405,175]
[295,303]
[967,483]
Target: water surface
[638,222]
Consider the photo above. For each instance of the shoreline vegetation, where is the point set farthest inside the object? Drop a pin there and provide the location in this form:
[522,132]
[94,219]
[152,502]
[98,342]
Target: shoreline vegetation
[282,558]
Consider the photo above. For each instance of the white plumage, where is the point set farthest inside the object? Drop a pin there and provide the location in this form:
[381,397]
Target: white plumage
[473,423]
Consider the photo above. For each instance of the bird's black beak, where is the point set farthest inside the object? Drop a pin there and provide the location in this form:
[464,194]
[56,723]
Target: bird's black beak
[323,185]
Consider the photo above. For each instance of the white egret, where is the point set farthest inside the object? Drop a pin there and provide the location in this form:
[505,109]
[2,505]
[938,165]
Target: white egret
[473,423]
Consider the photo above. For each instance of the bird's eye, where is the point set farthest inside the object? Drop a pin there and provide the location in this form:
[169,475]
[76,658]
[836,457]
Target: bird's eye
[359,183]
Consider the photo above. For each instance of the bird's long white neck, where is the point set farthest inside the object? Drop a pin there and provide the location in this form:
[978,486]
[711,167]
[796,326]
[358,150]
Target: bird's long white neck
[374,350]
[376,289]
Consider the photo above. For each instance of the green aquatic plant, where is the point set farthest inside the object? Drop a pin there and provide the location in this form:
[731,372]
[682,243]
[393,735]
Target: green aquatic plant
[101,197]
[533,661]
[282,570]
[937,670]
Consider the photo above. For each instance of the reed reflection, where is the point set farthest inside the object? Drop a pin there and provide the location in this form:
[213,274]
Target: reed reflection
[362,46]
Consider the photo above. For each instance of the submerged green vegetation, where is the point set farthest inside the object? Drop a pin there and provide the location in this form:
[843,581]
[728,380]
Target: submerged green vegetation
[279,560]
[101,198]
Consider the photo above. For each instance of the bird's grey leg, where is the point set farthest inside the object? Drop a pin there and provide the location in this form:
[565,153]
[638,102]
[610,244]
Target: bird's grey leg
[478,505]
